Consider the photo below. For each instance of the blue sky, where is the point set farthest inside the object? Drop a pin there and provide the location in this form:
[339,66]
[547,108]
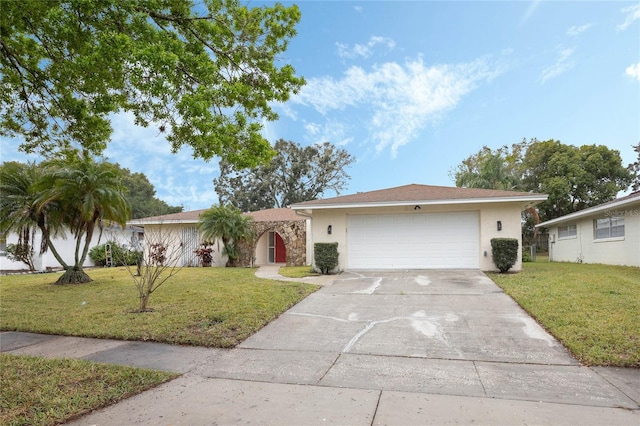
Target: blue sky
[413,88]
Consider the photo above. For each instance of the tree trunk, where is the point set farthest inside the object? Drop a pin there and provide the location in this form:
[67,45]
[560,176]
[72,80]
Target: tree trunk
[144,301]
[73,275]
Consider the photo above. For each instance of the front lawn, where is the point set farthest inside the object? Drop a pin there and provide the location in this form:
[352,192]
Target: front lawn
[594,310]
[297,271]
[39,391]
[214,307]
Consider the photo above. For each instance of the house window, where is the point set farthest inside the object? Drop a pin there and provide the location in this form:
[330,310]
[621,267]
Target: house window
[567,231]
[608,227]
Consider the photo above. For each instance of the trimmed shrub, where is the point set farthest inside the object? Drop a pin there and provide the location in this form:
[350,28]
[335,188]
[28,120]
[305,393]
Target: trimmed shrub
[526,255]
[119,255]
[505,253]
[326,256]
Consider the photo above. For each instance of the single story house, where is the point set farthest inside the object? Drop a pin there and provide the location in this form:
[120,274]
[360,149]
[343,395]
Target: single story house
[280,237]
[418,226]
[66,246]
[608,233]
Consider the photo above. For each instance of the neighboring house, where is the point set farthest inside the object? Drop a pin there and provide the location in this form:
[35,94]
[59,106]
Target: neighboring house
[66,248]
[280,237]
[608,233]
[418,226]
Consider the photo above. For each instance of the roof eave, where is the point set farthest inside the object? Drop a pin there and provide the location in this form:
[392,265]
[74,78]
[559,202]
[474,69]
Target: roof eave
[162,222]
[529,201]
[588,212]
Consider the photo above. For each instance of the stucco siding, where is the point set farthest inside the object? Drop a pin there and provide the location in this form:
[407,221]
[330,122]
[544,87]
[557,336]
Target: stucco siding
[489,214]
[66,247]
[585,248]
[173,235]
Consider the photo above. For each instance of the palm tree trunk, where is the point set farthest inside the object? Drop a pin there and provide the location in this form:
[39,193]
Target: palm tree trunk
[72,274]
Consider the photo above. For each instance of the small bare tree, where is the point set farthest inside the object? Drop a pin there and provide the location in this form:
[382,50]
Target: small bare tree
[162,252]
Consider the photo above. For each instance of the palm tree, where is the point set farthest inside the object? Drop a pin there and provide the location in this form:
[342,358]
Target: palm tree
[491,173]
[82,195]
[19,212]
[227,224]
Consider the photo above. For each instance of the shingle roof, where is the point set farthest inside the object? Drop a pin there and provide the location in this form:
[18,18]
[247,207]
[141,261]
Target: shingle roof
[618,203]
[273,215]
[268,215]
[419,194]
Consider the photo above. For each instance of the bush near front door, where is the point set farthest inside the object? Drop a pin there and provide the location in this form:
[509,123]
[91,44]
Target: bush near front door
[505,253]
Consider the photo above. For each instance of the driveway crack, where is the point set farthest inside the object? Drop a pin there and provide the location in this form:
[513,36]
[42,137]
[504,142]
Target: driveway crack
[475,367]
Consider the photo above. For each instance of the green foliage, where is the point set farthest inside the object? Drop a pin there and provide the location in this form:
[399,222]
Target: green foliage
[19,210]
[70,193]
[228,224]
[592,309]
[574,177]
[294,175]
[21,252]
[491,169]
[142,196]
[40,391]
[325,256]
[504,252]
[120,255]
[634,169]
[213,307]
[81,195]
[526,256]
[206,73]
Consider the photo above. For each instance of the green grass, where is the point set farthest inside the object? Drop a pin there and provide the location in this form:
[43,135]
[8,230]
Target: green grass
[594,310]
[298,271]
[214,307]
[38,391]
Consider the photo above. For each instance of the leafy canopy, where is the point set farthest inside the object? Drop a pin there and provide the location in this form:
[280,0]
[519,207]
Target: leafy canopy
[228,224]
[575,178]
[72,193]
[142,195]
[294,175]
[203,73]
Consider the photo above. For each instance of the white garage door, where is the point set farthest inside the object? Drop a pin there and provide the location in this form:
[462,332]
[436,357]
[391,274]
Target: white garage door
[414,241]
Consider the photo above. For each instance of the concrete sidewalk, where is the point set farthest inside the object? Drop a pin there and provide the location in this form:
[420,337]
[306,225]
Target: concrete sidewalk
[279,377]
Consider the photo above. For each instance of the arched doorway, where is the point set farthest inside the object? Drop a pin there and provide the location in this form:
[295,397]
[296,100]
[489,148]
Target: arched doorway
[277,249]
[270,248]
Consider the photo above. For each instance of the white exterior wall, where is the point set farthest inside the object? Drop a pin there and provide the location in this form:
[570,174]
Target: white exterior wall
[508,213]
[66,247]
[583,247]
[172,233]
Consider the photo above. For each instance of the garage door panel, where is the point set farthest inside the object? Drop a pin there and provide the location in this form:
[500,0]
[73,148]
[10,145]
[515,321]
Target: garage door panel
[414,241]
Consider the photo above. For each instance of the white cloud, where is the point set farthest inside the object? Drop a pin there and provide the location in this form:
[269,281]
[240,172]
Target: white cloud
[533,6]
[577,30]
[332,131]
[633,71]
[398,100]
[632,14]
[364,50]
[178,178]
[563,64]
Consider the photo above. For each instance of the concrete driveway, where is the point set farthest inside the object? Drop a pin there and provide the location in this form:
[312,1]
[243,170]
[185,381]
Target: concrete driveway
[450,332]
[401,347]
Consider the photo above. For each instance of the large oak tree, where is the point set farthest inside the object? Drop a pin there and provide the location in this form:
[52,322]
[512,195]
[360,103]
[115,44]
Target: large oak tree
[294,175]
[204,73]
